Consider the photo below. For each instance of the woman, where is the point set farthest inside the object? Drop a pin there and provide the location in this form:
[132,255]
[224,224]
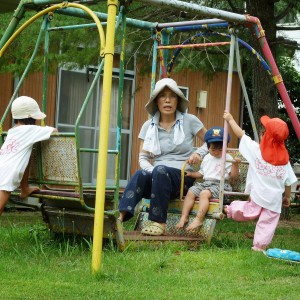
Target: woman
[166,142]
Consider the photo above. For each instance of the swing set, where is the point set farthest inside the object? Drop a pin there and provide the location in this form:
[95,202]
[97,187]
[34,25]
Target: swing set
[68,203]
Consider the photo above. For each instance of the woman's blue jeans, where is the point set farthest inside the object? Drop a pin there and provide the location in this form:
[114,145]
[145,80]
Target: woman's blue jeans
[162,185]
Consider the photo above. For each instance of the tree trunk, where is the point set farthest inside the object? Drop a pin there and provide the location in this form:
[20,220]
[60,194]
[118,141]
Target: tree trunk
[264,90]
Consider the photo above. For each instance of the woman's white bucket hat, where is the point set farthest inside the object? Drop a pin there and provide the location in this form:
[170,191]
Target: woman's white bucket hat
[25,107]
[183,103]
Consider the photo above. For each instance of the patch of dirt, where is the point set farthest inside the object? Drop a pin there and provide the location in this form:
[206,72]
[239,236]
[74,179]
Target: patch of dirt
[291,220]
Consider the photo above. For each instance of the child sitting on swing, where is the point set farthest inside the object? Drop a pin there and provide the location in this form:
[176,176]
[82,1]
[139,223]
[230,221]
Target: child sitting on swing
[16,150]
[210,171]
[269,176]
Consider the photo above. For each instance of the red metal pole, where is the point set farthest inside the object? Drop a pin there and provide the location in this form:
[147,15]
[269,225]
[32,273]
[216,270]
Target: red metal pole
[259,32]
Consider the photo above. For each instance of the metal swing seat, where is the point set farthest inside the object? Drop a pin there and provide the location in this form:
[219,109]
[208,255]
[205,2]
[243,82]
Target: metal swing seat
[215,212]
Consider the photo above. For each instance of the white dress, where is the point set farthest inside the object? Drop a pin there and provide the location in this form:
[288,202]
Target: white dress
[15,153]
[265,182]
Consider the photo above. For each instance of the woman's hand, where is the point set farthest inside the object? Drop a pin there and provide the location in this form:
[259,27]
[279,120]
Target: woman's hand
[195,158]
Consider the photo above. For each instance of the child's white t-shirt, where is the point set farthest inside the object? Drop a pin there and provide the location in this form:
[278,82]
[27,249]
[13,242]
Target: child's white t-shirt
[15,153]
[211,167]
[265,182]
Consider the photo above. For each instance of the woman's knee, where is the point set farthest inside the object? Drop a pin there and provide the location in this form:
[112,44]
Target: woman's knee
[141,174]
[160,170]
[140,179]
[161,177]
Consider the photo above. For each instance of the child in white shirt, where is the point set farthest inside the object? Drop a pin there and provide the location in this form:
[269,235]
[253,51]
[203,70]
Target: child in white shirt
[269,176]
[210,171]
[16,150]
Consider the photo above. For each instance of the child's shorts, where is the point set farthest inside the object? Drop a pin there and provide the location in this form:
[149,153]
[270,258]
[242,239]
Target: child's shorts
[212,185]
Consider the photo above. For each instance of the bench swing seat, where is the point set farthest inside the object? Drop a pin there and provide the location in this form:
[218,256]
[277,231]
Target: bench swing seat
[215,211]
[67,206]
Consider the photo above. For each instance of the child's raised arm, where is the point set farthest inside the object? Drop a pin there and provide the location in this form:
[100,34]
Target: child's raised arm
[234,172]
[238,131]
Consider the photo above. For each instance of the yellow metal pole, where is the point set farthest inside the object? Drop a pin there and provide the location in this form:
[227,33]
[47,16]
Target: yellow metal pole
[103,136]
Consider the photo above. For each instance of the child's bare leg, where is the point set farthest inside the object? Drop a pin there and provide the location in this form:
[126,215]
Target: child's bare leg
[225,210]
[4,196]
[203,208]
[188,204]
[26,190]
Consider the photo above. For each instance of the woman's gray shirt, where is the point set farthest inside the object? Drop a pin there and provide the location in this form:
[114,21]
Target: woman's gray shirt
[175,155]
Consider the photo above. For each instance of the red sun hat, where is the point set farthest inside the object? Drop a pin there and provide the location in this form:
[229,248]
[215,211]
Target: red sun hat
[272,145]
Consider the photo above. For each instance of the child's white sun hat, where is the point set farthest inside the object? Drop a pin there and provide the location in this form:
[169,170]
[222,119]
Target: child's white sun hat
[25,107]
[183,103]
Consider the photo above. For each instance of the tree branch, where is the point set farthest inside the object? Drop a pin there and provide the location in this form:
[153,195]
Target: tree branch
[233,7]
[286,43]
[284,12]
[284,27]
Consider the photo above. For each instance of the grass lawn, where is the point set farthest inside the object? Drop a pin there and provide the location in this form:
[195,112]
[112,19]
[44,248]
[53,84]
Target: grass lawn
[35,266]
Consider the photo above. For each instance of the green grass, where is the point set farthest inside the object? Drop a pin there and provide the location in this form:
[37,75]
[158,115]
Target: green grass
[35,266]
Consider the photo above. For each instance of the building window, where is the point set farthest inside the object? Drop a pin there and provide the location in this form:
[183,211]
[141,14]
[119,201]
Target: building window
[185,91]
[73,86]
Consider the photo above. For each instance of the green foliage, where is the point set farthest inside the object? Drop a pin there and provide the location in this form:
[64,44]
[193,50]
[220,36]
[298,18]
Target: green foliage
[291,77]
[75,48]
[292,83]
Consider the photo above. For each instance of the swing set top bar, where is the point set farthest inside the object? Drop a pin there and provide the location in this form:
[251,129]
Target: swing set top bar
[130,22]
[185,6]
[203,45]
[190,23]
[202,10]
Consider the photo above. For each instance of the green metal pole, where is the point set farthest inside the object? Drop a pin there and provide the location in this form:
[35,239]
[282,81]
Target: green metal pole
[102,16]
[154,62]
[164,41]
[120,105]
[77,124]
[36,48]
[46,65]
[17,16]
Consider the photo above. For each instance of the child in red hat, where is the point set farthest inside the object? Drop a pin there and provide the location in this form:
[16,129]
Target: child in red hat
[269,176]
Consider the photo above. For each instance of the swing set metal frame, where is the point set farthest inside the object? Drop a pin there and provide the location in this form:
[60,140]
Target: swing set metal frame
[115,18]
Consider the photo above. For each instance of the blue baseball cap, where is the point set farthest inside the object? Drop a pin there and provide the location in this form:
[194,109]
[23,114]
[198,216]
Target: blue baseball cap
[215,134]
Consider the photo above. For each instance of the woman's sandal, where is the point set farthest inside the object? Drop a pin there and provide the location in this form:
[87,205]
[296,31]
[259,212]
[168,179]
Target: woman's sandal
[153,228]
